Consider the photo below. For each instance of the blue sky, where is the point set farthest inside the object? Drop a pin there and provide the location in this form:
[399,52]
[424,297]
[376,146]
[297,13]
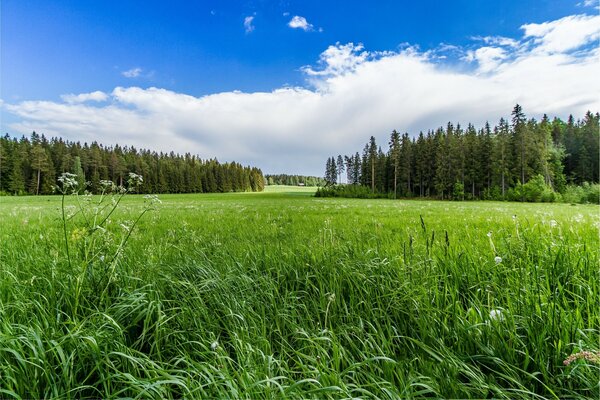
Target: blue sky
[181,75]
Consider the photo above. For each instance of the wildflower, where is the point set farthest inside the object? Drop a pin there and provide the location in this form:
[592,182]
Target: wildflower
[489,234]
[135,179]
[107,186]
[591,356]
[214,345]
[152,199]
[68,181]
[498,259]
[496,314]
[78,234]
[553,223]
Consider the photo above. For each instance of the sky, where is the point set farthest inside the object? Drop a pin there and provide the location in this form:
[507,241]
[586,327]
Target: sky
[284,84]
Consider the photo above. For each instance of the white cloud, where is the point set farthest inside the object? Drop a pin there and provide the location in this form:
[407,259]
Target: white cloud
[83,97]
[488,58]
[248,23]
[298,22]
[497,40]
[338,60]
[132,73]
[568,33]
[355,93]
[589,3]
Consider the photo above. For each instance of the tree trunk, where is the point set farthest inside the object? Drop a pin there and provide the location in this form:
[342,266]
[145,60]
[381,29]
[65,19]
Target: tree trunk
[395,181]
[37,189]
[373,175]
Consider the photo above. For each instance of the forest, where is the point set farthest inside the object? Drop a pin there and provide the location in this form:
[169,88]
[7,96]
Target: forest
[521,159]
[294,180]
[33,165]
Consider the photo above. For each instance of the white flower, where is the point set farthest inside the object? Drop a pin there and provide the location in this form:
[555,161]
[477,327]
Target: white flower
[553,223]
[68,180]
[214,345]
[135,179]
[496,314]
[498,259]
[489,234]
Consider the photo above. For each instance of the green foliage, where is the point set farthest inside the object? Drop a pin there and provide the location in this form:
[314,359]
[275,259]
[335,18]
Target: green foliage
[458,192]
[294,180]
[585,193]
[32,166]
[484,162]
[348,191]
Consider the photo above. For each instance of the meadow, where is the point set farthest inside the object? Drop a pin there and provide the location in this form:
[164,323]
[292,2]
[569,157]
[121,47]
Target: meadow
[283,295]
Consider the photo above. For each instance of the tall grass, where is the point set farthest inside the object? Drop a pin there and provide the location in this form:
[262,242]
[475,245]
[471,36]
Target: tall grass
[274,296]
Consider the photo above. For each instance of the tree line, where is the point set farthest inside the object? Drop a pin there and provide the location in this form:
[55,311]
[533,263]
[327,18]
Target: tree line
[294,180]
[32,166]
[500,162]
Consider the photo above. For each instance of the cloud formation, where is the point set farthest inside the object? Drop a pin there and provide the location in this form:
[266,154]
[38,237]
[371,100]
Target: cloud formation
[83,97]
[132,73]
[298,22]
[352,93]
[248,26]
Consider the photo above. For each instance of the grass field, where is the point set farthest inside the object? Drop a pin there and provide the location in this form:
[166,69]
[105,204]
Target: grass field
[282,295]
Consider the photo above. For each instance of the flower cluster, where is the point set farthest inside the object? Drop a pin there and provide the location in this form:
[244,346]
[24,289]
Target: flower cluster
[591,356]
[134,179]
[67,181]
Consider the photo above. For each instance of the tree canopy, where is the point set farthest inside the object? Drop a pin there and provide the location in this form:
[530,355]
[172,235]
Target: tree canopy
[32,165]
[486,163]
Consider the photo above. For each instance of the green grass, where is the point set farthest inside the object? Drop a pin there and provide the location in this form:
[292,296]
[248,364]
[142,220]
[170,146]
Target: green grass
[282,295]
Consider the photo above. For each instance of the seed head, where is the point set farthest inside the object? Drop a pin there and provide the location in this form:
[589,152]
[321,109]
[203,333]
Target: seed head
[498,259]
[496,314]
[214,345]
[591,356]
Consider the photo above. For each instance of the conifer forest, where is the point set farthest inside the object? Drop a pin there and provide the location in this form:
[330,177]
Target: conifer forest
[515,160]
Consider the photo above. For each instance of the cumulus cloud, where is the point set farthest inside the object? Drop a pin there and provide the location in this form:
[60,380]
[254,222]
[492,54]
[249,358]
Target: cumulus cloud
[132,73]
[298,22]
[352,93]
[568,33]
[248,24]
[83,97]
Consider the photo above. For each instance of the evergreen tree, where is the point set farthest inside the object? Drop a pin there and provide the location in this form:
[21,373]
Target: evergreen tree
[340,167]
[395,157]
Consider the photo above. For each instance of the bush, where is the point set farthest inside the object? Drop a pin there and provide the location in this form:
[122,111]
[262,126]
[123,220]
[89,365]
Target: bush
[349,191]
[587,193]
[458,192]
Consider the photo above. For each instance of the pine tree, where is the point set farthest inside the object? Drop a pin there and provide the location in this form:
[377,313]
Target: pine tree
[340,167]
[372,157]
[519,134]
[78,171]
[395,157]
[41,164]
